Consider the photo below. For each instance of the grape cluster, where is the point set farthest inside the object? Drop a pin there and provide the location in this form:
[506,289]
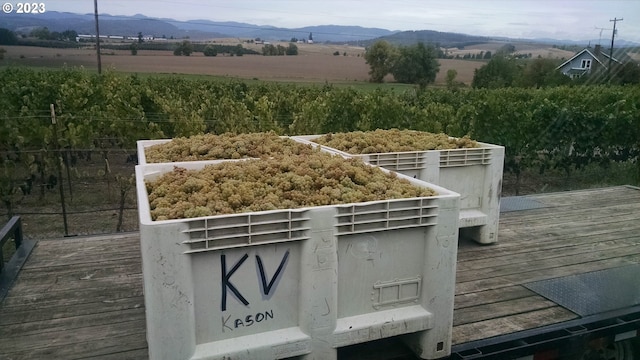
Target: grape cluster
[278,182]
[225,146]
[393,140]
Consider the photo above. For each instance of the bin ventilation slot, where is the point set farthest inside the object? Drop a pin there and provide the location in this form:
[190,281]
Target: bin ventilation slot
[465,157]
[399,161]
[397,291]
[356,219]
[248,229]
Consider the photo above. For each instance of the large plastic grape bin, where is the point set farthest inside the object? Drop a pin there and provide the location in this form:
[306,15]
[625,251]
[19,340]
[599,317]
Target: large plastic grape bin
[143,144]
[299,282]
[474,173]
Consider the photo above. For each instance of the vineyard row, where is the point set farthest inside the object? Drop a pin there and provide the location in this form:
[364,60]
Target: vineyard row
[561,127]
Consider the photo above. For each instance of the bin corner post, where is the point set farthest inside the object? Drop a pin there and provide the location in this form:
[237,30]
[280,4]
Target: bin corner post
[488,234]
[318,311]
[430,167]
[439,288]
[168,290]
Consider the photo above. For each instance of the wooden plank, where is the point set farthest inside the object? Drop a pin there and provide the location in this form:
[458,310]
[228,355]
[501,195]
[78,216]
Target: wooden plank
[138,354]
[42,291]
[500,309]
[70,321]
[554,250]
[491,296]
[545,243]
[576,221]
[510,324]
[87,338]
[589,197]
[50,313]
[79,258]
[542,264]
[81,272]
[545,240]
[132,343]
[542,274]
[72,297]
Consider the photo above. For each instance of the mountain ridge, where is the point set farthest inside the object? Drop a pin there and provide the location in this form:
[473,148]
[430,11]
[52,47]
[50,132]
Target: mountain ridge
[203,29]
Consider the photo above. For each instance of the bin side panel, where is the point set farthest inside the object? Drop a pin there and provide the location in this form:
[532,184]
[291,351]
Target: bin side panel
[244,291]
[468,181]
[380,270]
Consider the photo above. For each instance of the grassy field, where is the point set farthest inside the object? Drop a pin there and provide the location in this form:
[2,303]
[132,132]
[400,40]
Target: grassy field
[314,64]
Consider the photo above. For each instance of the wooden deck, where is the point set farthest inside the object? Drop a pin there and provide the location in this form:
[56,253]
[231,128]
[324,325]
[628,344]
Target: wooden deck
[81,298]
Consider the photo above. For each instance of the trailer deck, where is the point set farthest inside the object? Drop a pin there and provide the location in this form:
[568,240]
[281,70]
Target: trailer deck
[82,297]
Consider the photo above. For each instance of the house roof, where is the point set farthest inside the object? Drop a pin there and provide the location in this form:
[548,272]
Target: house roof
[600,56]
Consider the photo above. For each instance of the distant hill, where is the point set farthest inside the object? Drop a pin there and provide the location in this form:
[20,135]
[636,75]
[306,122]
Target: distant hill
[109,25]
[194,29]
[444,39]
[321,33]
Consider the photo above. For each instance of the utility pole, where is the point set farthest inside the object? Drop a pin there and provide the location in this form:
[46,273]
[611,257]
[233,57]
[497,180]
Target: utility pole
[95,6]
[613,35]
[601,29]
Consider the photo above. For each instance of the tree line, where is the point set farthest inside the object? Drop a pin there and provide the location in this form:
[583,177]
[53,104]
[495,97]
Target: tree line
[418,64]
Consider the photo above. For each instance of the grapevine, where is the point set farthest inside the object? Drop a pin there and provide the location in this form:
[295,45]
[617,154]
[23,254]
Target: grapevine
[279,182]
[394,140]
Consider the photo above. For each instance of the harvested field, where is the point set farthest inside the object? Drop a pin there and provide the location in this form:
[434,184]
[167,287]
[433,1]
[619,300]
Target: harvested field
[309,66]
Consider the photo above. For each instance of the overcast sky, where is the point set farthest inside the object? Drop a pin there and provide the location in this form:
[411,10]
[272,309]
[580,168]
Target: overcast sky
[559,19]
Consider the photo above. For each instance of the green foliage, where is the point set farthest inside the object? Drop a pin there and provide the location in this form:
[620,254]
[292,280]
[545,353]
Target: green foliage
[500,72]
[41,33]
[452,84]
[56,44]
[416,64]
[380,58]
[210,50]
[628,73]
[542,72]
[69,35]
[292,49]
[134,49]
[506,49]
[184,48]
[7,37]
[272,50]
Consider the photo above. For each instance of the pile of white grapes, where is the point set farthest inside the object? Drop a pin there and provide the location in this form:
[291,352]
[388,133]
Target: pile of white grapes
[277,182]
[394,140]
[225,146]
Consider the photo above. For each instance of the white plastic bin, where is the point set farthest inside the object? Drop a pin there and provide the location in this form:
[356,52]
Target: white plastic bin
[143,144]
[474,173]
[299,282]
